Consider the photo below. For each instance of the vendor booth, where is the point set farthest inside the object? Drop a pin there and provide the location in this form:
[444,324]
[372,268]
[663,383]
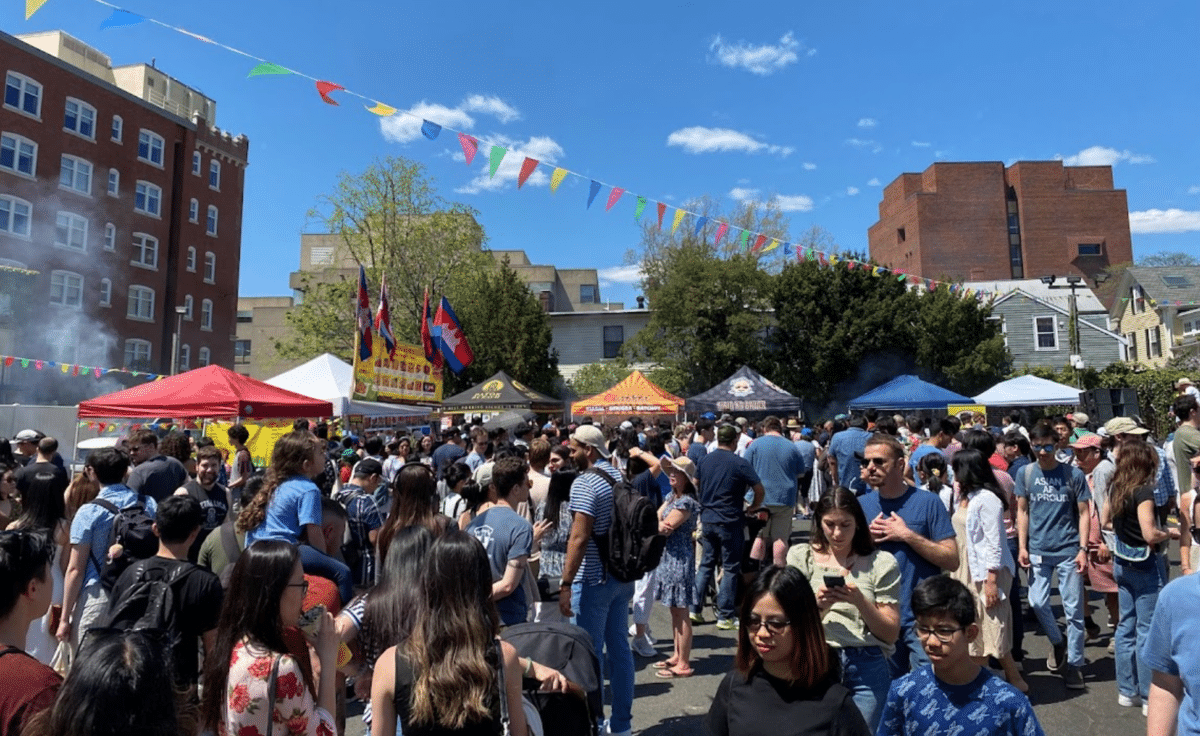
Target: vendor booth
[905,393]
[635,395]
[501,393]
[1029,391]
[745,392]
[329,378]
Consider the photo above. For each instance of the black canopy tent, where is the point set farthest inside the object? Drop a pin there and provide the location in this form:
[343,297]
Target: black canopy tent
[500,393]
[745,392]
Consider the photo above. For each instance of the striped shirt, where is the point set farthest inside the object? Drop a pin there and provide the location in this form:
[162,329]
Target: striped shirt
[593,496]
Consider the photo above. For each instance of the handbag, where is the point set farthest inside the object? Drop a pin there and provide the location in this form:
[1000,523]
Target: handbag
[1125,552]
[271,696]
[62,659]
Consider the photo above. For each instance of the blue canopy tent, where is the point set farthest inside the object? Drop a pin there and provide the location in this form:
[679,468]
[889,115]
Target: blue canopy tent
[908,392]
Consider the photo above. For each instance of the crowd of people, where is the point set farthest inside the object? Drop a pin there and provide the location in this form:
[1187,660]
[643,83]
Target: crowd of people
[223,598]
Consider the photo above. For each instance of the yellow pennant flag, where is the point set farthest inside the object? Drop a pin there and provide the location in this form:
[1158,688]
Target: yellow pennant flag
[32,6]
[556,179]
[678,219]
[774,244]
[382,110]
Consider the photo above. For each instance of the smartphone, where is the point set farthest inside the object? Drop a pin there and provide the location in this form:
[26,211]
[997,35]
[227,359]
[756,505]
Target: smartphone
[835,581]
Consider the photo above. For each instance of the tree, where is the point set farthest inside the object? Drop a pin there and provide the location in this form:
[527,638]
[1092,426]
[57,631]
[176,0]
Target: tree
[1169,258]
[595,377]
[323,322]
[957,342]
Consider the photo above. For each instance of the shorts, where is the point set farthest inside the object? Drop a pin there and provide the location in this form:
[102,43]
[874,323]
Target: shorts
[779,524]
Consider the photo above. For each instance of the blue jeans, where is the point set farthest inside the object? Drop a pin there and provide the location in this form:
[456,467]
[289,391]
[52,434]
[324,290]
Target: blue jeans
[1014,602]
[1070,588]
[322,565]
[1138,584]
[727,540]
[909,654]
[603,611]
[865,673]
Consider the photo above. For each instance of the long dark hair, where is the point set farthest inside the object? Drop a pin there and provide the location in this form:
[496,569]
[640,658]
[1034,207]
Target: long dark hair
[934,466]
[251,611]
[560,491]
[973,473]
[42,509]
[291,452]
[842,499]
[1137,465]
[810,658]
[392,604]
[414,502]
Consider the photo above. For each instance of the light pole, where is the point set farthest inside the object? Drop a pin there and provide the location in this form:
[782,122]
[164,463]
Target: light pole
[1073,283]
[179,312]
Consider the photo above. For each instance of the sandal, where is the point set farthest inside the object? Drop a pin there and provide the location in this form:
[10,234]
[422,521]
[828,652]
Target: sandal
[670,674]
[664,664]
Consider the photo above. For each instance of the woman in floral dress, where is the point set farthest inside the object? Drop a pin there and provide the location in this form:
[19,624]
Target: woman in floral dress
[675,578]
[265,593]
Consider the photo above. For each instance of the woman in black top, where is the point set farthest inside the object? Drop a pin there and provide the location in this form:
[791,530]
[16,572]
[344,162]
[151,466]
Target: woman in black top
[786,681]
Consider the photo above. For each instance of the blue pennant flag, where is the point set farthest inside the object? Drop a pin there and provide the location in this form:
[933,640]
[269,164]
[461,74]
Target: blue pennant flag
[431,130]
[700,225]
[120,19]
[595,189]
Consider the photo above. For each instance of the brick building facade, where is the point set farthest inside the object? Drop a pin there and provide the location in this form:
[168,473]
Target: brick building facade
[116,189]
[984,221]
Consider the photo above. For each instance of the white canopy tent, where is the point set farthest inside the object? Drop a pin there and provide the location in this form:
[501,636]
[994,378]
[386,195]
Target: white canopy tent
[1029,391]
[329,378]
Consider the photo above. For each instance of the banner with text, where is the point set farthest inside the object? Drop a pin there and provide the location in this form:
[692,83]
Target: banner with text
[407,378]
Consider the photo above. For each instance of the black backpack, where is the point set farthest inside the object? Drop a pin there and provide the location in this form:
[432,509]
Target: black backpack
[632,547]
[149,602]
[133,529]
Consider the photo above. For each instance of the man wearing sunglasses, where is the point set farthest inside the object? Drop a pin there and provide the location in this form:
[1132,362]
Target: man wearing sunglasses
[1053,523]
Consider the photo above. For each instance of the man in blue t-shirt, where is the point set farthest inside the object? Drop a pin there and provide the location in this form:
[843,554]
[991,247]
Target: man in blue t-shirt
[778,462]
[507,537]
[1052,528]
[1172,651]
[914,527]
[449,452]
[846,447]
[699,445]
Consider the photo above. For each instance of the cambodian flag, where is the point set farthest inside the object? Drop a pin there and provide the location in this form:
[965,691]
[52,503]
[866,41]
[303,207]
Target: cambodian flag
[363,316]
[428,337]
[452,340]
[383,319]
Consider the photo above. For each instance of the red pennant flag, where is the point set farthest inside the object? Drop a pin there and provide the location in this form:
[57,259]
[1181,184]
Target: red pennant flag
[613,196]
[662,210]
[759,242]
[526,169]
[324,88]
[821,258]
[849,265]
[469,145]
[724,228]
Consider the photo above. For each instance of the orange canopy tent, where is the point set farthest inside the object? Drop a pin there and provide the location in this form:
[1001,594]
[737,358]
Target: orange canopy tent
[635,395]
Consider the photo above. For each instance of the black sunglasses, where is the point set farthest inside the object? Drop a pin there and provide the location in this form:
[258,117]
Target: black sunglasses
[878,462]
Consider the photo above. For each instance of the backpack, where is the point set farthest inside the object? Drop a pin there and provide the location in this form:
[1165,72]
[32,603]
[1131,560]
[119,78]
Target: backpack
[133,529]
[149,602]
[632,547]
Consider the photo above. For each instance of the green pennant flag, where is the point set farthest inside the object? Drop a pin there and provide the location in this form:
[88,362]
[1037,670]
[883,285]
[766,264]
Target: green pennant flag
[268,68]
[494,158]
[641,205]
[744,239]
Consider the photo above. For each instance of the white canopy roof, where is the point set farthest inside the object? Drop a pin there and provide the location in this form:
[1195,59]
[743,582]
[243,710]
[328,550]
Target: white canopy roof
[1029,391]
[330,378]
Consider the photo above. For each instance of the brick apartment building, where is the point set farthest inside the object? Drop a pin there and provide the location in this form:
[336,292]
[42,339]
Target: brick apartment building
[116,189]
[982,221]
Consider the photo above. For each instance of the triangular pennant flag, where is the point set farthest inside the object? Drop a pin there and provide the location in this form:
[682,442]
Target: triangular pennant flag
[25,363]
[96,372]
[833,260]
[8,360]
[469,145]
[324,88]
[641,205]
[774,244]
[821,258]
[268,68]
[74,370]
[744,240]
[32,6]
[527,167]
[700,226]
[495,156]
[382,110]
[593,190]
[119,19]
[556,178]
[430,129]
[662,210]
[787,249]
[721,230]
[849,265]
[759,242]
[678,219]
[65,368]
[901,278]
[613,196]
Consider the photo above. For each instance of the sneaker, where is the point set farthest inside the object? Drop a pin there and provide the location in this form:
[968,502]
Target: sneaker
[1073,679]
[1145,709]
[1112,646]
[1056,660]
[696,618]
[727,624]
[643,648]
[1128,701]
[648,635]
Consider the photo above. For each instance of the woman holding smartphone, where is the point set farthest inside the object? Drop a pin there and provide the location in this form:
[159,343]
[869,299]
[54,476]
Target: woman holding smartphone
[857,588]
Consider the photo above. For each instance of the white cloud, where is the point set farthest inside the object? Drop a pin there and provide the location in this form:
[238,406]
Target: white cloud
[697,139]
[809,166]
[851,191]
[493,106]
[867,122]
[874,182]
[866,145]
[763,60]
[405,128]
[921,144]
[1102,156]
[785,202]
[1164,221]
[542,148]
[631,274]
[1194,190]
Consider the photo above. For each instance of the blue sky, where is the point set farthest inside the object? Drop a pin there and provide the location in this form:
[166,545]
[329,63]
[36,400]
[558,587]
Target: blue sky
[817,104]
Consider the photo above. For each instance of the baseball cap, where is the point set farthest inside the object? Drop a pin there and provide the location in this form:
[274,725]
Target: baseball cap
[367,467]
[626,424]
[483,474]
[806,432]
[742,421]
[709,416]
[590,434]
[727,434]
[1079,418]
[1088,439]
[28,435]
[1123,425]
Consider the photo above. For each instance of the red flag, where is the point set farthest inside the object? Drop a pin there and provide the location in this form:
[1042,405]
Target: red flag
[363,316]
[383,319]
[453,342]
[431,352]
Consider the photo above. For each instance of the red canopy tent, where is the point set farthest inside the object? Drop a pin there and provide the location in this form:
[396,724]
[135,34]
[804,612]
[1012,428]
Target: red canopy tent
[212,392]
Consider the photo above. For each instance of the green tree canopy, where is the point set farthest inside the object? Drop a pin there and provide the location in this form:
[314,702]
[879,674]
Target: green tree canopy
[596,377]
[1169,258]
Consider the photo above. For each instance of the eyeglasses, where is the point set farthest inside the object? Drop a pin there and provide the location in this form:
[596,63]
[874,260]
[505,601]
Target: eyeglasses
[1043,448]
[944,635]
[878,462]
[302,586]
[774,627]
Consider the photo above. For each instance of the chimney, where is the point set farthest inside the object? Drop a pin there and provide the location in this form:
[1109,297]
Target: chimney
[641,302]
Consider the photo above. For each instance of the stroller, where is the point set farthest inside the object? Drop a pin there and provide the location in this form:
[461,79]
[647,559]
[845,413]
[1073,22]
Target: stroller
[569,650]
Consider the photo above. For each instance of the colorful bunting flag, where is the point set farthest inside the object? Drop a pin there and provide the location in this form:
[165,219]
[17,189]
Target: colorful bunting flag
[743,240]
[613,196]
[556,178]
[120,19]
[527,168]
[699,226]
[32,6]
[324,88]
[758,243]
[593,190]
[678,219]
[662,210]
[382,110]
[268,68]
[430,129]
[469,145]
[641,205]
[774,244]
[495,156]
[721,230]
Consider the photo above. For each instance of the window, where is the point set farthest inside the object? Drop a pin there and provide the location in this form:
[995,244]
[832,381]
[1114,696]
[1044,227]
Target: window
[114,182]
[76,174]
[141,304]
[1191,327]
[900,235]
[205,358]
[1045,333]
[245,316]
[1153,343]
[150,148]
[1091,249]
[210,267]
[214,175]
[587,294]
[118,128]
[145,251]
[70,231]
[196,163]
[185,357]
[110,236]
[191,260]
[148,199]
[1133,350]
[1137,300]
[66,289]
[137,355]
[17,154]
[241,352]
[1176,282]
[211,226]
[106,292]
[23,94]
[187,306]
[80,118]
[206,314]
[194,211]
[14,216]
[614,337]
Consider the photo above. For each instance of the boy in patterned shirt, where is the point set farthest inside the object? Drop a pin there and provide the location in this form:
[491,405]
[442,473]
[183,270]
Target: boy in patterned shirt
[954,695]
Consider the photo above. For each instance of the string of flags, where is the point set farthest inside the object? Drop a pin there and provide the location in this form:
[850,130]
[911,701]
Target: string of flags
[753,243]
[73,369]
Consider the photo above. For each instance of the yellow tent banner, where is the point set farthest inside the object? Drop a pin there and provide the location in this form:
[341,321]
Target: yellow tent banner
[262,437]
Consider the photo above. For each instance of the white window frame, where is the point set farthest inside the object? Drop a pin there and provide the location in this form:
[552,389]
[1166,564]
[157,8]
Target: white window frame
[145,251]
[77,170]
[196,163]
[110,236]
[211,222]
[138,348]
[210,267]
[191,259]
[1153,342]
[206,315]
[187,305]
[114,183]
[194,210]
[149,138]
[24,84]
[1037,346]
[117,130]
[185,358]
[141,303]
[204,358]
[82,112]
[214,175]
[1191,326]
[70,289]
[13,204]
[106,292]
[148,192]
[73,224]
[17,142]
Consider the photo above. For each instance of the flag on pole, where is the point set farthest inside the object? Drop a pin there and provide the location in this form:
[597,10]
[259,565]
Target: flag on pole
[383,319]
[453,342]
[428,343]
[363,316]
